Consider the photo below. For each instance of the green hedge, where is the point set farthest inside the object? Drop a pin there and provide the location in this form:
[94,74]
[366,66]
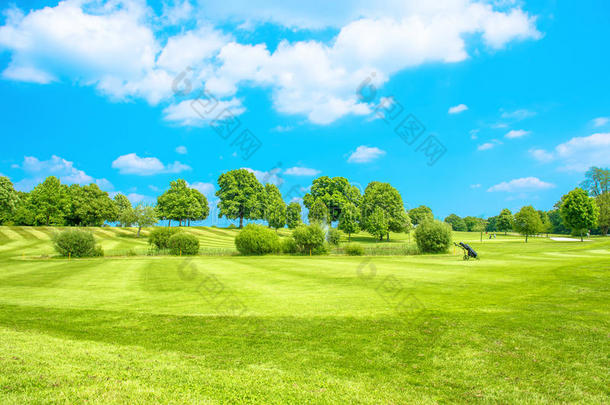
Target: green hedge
[183,244]
[159,237]
[433,236]
[76,243]
[256,239]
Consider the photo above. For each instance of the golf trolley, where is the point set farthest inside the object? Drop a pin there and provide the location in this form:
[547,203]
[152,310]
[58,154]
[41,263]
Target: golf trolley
[468,251]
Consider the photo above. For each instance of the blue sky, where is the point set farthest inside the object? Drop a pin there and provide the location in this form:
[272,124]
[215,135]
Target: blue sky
[516,92]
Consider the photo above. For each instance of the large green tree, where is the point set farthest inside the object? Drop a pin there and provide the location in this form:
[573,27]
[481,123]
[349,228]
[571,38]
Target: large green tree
[49,202]
[505,221]
[274,207]
[334,193]
[388,199]
[420,214]
[597,181]
[457,223]
[348,221]
[241,196]
[9,200]
[199,209]
[125,211]
[89,206]
[579,211]
[527,222]
[183,204]
[318,212]
[293,215]
[603,205]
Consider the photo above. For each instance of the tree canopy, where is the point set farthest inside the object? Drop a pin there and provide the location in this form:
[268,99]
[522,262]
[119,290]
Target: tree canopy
[383,196]
[293,215]
[579,211]
[241,196]
[420,214]
[334,193]
[527,222]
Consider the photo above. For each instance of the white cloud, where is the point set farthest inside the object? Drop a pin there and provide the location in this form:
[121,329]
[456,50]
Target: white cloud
[199,112]
[181,150]
[206,189]
[133,164]
[521,185]
[301,171]
[516,133]
[116,46]
[271,176]
[600,121]
[489,145]
[579,153]
[136,198]
[458,109]
[365,154]
[518,115]
[475,186]
[61,168]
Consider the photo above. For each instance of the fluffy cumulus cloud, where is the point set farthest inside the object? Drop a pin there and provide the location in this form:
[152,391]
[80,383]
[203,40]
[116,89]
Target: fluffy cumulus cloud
[600,121]
[272,176]
[56,166]
[126,51]
[181,150]
[146,166]
[516,133]
[458,109]
[365,154]
[579,153]
[206,189]
[523,184]
[488,145]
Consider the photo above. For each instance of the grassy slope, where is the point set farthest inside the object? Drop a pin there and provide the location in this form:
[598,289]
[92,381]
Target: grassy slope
[526,323]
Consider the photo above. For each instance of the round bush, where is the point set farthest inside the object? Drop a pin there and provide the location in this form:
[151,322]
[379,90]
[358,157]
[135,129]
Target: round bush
[289,246]
[183,244]
[76,243]
[354,249]
[256,239]
[310,239]
[433,236]
[159,237]
[333,236]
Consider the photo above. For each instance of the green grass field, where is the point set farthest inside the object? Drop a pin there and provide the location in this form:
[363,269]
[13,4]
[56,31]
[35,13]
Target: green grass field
[528,323]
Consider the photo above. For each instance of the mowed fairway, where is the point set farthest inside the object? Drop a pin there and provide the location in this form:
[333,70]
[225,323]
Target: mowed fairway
[527,323]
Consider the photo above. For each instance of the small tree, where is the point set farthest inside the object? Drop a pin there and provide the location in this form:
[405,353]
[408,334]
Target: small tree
[420,214]
[348,221]
[378,223]
[318,212]
[579,211]
[527,222]
[144,216]
[275,207]
[125,212]
[457,223]
[505,221]
[8,200]
[241,196]
[293,215]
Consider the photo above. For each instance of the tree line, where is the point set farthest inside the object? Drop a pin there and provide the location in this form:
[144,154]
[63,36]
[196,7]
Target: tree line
[582,210]
[378,211]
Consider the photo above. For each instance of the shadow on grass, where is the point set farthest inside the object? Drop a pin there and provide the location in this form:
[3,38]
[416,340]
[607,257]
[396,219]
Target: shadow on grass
[348,345]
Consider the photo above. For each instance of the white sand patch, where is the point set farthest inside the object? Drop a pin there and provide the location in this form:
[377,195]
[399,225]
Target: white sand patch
[569,240]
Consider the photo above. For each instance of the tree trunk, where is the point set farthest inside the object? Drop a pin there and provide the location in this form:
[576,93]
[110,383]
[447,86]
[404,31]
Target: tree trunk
[139,229]
[581,239]
[388,237]
[349,238]
[170,223]
[241,221]
[525,238]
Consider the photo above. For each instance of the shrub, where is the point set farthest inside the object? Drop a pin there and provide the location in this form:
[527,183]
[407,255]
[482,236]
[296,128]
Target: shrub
[289,246]
[354,249]
[183,244]
[333,236]
[160,237]
[310,239]
[76,243]
[232,226]
[256,239]
[433,236]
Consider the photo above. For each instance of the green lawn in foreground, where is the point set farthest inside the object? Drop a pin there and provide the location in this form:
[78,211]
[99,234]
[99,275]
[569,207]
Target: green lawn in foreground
[527,323]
